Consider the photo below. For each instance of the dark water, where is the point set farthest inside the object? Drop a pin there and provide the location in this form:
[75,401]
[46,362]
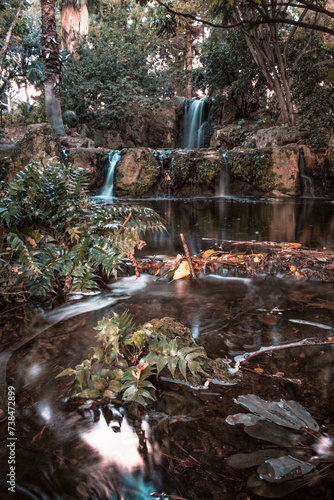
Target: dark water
[179,447]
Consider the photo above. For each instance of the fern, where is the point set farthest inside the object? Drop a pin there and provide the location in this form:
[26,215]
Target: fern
[27,257]
[124,372]
[70,235]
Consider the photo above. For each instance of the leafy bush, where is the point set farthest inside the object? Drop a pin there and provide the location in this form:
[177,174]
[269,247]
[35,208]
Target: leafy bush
[59,237]
[129,356]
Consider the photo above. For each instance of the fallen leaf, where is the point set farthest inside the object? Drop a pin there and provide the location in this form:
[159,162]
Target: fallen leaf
[182,271]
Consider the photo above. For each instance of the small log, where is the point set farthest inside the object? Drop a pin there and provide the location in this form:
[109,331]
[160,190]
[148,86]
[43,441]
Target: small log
[186,251]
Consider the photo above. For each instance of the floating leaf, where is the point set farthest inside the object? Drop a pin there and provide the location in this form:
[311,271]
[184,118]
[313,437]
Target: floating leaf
[208,253]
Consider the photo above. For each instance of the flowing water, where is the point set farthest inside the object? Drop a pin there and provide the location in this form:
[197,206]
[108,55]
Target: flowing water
[107,191]
[195,123]
[178,448]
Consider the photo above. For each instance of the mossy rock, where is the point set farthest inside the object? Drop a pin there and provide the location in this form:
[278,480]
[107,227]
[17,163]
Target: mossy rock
[206,171]
[212,368]
[255,169]
[137,172]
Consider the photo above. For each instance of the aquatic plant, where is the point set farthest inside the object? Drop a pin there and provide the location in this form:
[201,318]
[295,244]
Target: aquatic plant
[120,369]
[57,238]
[289,426]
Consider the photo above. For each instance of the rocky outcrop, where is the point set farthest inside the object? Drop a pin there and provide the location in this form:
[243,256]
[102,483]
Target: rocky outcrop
[223,138]
[40,141]
[94,160]
[149,129]
[137,172]
[279,136]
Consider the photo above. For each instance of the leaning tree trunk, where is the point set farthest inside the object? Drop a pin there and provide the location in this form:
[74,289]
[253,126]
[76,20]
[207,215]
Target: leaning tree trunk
[5,45]
[52,66]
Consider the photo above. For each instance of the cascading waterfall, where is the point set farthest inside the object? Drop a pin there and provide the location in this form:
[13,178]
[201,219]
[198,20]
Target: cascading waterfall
[307,184]
[107,190]
[224,177]
[194,124]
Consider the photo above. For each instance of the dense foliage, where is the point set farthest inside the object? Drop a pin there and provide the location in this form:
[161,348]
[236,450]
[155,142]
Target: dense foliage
[120,370]
[229,73]
[56,238]
[313,88]
[120,70]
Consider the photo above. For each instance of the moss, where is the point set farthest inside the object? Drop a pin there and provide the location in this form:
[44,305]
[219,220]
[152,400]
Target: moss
[206,171]
[255,169]
[180,171]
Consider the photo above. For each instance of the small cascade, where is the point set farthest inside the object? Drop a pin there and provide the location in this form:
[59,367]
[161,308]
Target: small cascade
[107,190]
[195,123]
[307,184]
[224,178]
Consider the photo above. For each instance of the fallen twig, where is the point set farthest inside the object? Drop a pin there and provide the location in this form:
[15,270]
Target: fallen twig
[124,223]
[268,350]
[269,375]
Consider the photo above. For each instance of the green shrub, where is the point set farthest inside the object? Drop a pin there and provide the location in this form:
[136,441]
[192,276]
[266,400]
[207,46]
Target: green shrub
[58,236]
[120,369]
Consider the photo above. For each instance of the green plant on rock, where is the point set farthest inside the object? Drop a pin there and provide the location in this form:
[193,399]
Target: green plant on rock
[120,369]
[256,170]
[58,237]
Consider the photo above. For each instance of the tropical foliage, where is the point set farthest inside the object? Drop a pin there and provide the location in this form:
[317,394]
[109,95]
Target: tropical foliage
[120,369]
[59,238]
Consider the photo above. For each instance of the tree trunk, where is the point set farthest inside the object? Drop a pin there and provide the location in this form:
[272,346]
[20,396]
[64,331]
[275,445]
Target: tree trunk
[189,64]
[5,46]
[52,66]
[74,23]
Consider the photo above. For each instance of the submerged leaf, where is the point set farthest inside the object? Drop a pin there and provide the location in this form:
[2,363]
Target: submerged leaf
[285,413]
[268,431]
[245,460]
[243,418]
[273,490]
[277,470]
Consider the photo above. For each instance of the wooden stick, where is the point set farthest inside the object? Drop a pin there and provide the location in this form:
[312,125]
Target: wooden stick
[124,223]
[186,251]
[268,350]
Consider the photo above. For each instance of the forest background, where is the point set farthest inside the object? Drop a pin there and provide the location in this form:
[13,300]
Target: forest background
[118,58]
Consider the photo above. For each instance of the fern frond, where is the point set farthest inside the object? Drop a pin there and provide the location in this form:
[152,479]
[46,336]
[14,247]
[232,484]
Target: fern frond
[26,255]
[84,279]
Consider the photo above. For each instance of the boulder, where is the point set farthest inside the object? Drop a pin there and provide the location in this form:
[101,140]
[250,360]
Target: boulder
[285,166]
[137,172]
[279,136]
[222,138]
[40,141]
[94,160]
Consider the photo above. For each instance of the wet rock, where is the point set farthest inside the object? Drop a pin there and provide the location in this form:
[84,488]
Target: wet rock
[223,138]
[137,172]
[212,368]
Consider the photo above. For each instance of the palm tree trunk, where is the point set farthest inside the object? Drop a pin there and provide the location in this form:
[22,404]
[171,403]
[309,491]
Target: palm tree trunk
[52,66]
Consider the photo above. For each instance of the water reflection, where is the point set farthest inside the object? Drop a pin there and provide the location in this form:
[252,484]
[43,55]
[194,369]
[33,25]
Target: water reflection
[310,222]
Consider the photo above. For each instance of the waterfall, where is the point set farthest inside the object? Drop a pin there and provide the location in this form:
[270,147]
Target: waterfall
[307,184]
[107,190]
[194,124]
[224,177]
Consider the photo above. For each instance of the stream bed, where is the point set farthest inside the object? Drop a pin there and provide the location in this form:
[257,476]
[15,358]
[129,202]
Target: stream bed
[178,449]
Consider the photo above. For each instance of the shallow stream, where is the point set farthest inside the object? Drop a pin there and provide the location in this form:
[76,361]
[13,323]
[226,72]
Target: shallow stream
[177,449]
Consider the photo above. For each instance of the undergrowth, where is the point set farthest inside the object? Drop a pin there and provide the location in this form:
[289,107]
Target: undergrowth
[119,370]
[56,239]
